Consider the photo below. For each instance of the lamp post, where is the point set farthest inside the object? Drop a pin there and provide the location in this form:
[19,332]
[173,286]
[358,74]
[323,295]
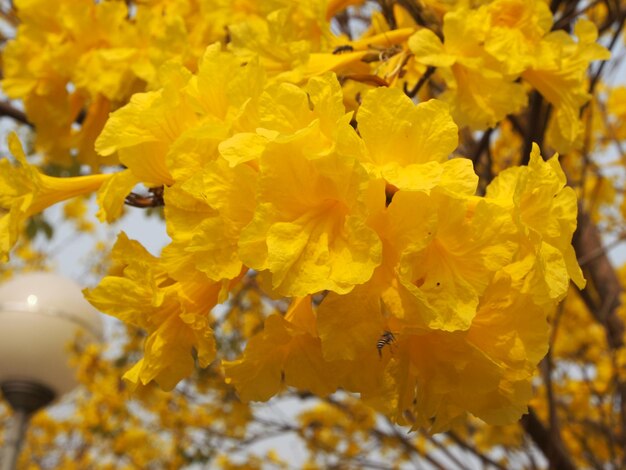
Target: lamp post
[40,314]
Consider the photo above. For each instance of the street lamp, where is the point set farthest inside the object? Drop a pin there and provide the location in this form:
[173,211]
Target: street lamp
[40,314]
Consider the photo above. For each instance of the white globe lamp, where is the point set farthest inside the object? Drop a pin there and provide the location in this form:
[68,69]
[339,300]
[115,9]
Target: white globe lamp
[41,314]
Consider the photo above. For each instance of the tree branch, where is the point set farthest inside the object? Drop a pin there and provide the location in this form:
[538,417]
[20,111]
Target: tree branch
[154,199]
[537,118]
[596,76]
[552,449]
[467,446]
[587,242]
[9,111]
[420,83]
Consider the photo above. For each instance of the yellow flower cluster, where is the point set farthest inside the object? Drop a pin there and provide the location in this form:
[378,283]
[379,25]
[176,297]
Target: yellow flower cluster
[433,299]
[75,62]
[272,177]
[485,51]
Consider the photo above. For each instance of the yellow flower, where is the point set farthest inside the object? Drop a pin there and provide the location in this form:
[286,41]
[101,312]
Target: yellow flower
[350,325]
[313,114]
[287,352]
[204,217]
[513,31]
[445,251]
[142,131]
[284,38]
[63,60]
[24,192]
[480,91]
[409,145]
[170,134]
[485,370]
[112,194]
[559,74]
[546,209]
[175,316]
[308,228]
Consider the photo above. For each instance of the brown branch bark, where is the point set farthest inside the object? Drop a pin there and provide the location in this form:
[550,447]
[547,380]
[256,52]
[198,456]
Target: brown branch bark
[154,199]
[420,83]
[470,448]
[536,125]
[602,276]
[551,448]
[9,111]
[415,10]
[605,303]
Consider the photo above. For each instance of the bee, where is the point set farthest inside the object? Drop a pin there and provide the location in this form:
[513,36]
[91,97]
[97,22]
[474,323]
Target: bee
[386,338]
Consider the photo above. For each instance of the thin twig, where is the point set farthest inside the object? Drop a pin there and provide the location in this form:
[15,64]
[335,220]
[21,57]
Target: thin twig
[482,145]
[564,20]
[155,199]
[415,10]
[470,448]
[548,369]
[444,450]
[9,111]
[420,83]
[566,17]
[596,76]
[343,21]
[553,450]
[386,7]
[600,251]
[517,126]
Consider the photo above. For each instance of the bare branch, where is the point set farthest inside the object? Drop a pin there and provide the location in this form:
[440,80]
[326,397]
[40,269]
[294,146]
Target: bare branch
[155,199]
[6,109]
[470,448]
[552,449]
[420,83]
[587,242]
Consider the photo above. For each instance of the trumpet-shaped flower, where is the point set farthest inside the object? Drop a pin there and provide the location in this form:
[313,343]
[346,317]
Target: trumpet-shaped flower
[350,325]
[409,145]
[24,191]
[284,38]
[175,316]
[546,211]
[204,217]
[88,45]
[308,229]
[559,75]
[493,363]
[142,131]
[314,115]
[513,31]
[480,93]
[171,133]
[446,251]
[112,194]
[429,301]
[287,352]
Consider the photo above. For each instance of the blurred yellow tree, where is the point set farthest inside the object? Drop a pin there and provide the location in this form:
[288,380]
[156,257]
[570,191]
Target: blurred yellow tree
[391,215]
